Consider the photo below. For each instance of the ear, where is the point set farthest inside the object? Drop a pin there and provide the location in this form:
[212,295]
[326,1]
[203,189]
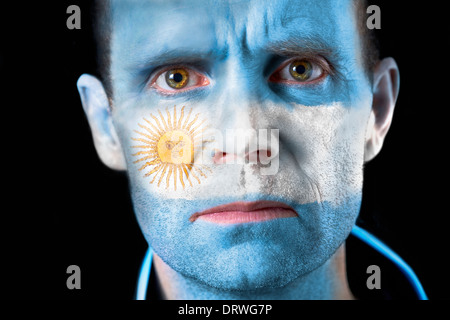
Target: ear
[386,83]
[98,112]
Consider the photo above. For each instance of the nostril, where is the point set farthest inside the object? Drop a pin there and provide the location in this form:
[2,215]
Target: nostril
[263,155]
[266,153]
[259,156]
[219,157]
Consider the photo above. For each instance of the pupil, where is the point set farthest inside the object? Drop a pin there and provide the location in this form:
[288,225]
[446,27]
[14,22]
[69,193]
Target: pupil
[300,69]
[177,77]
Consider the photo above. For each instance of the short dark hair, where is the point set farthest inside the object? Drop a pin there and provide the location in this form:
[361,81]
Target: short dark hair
[102,26]
[103,29]
[369,40]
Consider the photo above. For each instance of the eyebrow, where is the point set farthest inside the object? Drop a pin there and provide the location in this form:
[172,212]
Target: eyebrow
[306,48]
[176,56]
[302,47]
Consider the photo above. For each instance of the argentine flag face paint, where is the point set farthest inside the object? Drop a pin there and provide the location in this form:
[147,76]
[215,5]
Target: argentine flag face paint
[189,79]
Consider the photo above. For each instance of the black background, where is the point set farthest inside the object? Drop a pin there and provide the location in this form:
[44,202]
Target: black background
[62,206]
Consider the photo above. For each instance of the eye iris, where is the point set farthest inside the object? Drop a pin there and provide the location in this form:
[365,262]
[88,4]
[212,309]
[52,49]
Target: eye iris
[177,78]
[300,70]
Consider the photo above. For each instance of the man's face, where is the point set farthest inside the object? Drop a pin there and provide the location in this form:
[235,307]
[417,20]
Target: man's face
[295,66]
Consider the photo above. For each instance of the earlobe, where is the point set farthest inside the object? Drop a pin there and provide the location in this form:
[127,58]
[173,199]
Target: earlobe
[98,112]
[386,82]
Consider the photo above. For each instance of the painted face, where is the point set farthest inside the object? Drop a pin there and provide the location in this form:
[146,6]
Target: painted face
[181,68]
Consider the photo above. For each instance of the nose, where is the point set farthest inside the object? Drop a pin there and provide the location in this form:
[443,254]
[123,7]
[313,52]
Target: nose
[240,119]
[247,146]
[259,156]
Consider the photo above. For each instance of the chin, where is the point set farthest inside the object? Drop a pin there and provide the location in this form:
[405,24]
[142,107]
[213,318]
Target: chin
[254,266]
[261,256]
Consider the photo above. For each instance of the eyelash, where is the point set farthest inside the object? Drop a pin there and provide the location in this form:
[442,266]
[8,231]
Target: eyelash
[319,62]
[203,80]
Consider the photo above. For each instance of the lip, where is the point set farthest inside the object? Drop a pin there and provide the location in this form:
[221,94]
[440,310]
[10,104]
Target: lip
[244,212]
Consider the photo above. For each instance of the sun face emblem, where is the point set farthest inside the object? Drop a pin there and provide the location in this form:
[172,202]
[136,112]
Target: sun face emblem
[169,147]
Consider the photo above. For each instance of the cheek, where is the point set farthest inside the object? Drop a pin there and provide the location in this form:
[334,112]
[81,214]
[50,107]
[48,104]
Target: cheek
[164,145]
[326,143]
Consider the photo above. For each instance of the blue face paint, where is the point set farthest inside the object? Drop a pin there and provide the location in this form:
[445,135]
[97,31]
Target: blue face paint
[237,46]
[267,254]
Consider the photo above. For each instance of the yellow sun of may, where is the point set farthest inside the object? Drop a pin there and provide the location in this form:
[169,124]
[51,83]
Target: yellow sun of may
[168,148]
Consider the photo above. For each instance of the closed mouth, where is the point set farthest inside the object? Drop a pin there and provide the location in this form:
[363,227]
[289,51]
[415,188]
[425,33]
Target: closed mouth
[244,212]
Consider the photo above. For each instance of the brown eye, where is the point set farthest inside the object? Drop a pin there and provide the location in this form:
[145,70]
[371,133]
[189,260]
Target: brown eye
[301,70]
[177,78]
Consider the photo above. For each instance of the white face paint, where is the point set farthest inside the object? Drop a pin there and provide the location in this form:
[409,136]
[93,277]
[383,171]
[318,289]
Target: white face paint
[323,168]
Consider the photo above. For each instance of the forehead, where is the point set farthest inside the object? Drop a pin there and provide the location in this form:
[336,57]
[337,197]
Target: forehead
[140,26]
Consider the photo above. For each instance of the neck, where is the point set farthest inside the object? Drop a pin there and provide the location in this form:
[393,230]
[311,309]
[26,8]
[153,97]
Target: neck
[328,282]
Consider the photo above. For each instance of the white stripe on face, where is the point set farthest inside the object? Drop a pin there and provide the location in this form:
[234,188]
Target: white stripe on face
[320,153]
